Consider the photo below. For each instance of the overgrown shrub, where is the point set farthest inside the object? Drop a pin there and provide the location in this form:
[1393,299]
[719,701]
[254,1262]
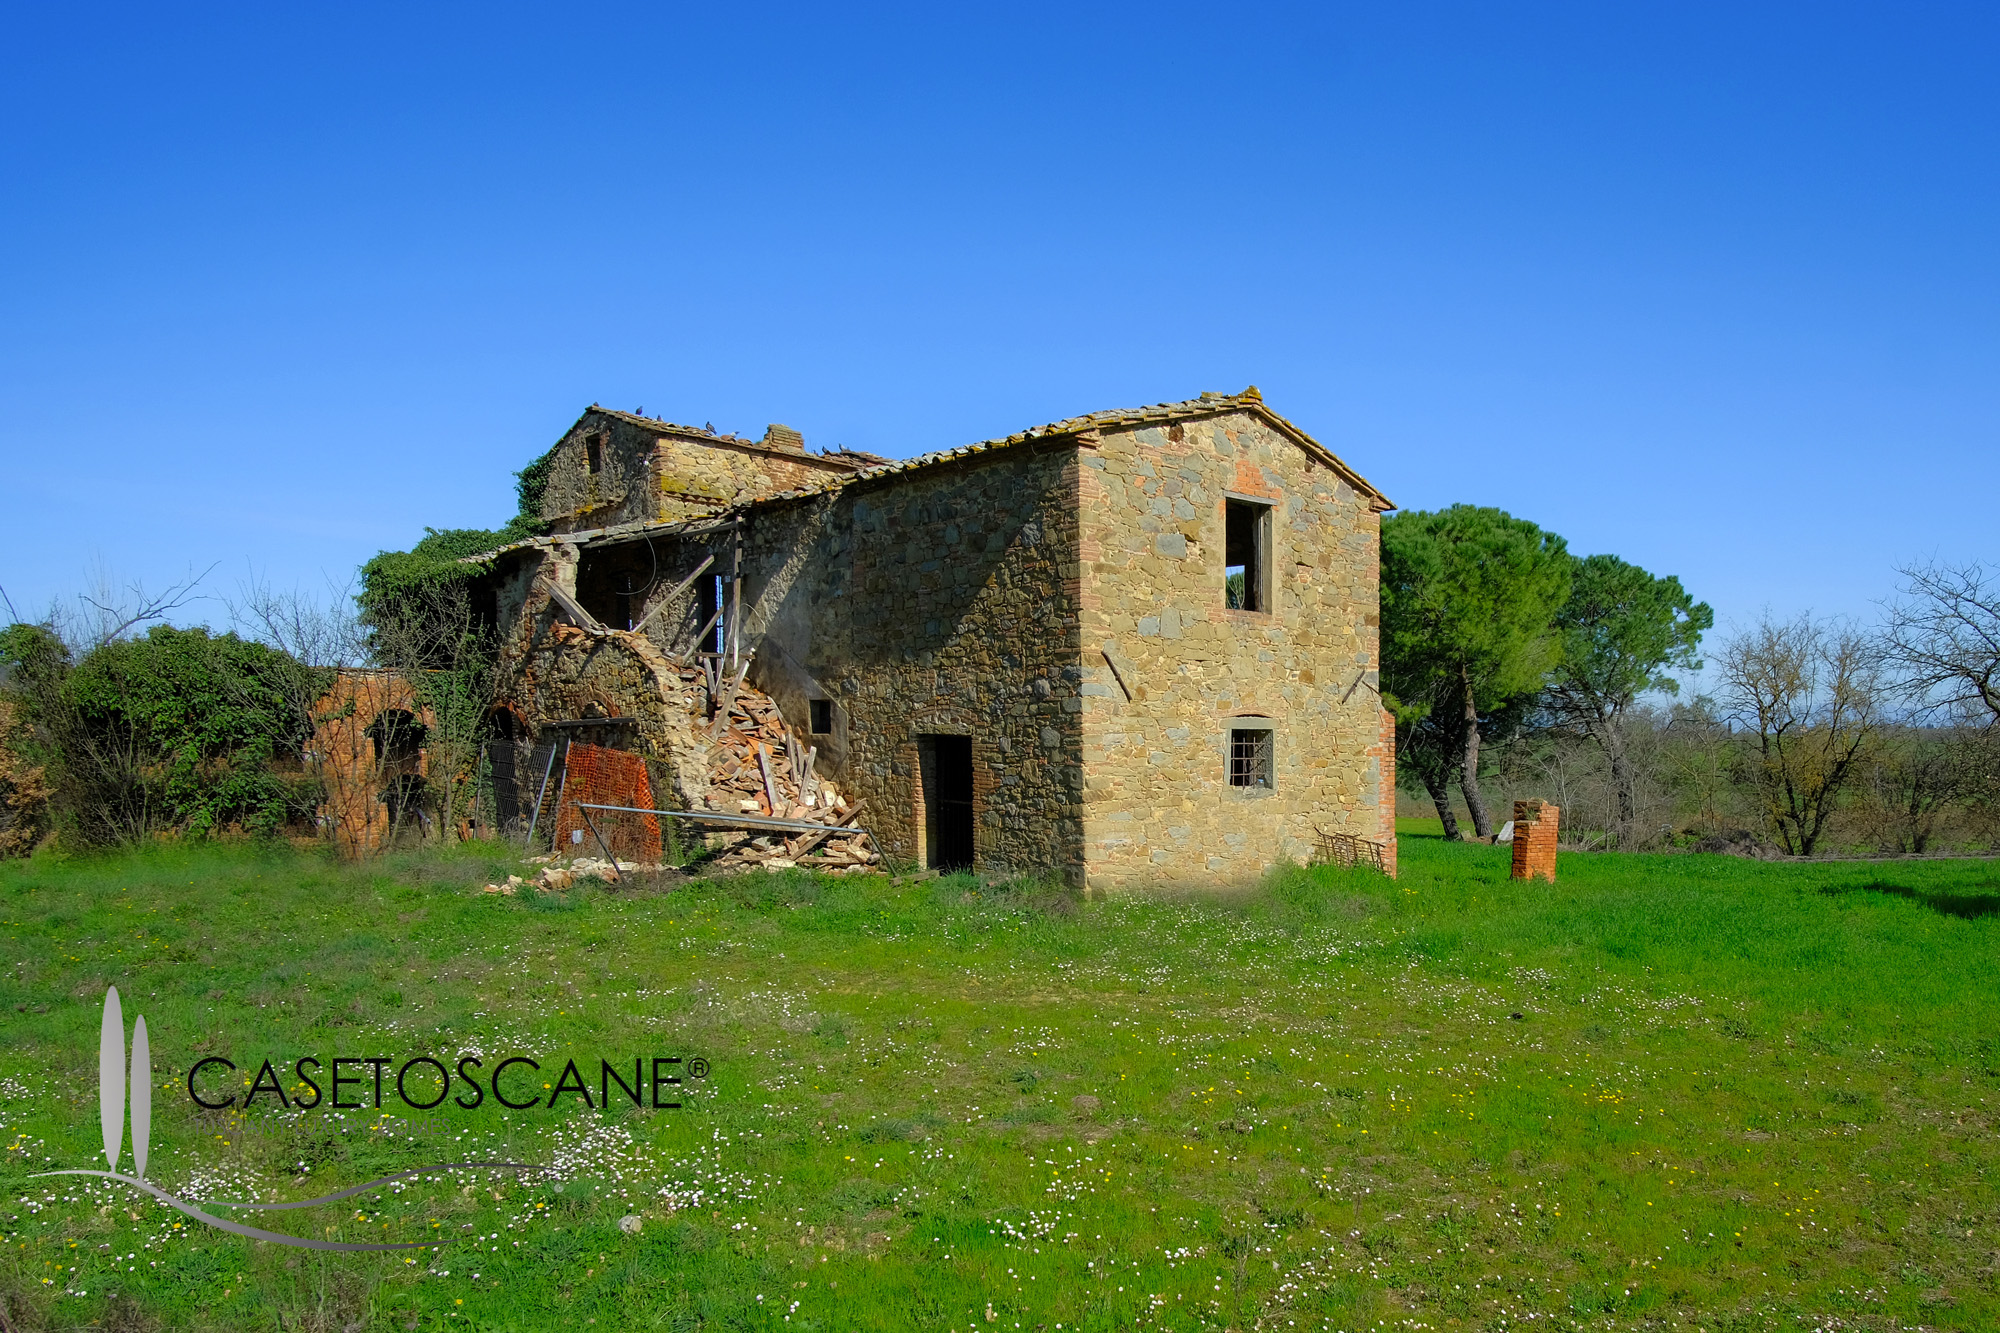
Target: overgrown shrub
[24,787]
[180,730]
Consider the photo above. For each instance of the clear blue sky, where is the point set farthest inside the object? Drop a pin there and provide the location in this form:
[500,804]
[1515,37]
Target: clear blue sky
[1715,288]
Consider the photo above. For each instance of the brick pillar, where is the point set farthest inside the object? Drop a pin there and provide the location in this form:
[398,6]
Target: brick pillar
[1535,824]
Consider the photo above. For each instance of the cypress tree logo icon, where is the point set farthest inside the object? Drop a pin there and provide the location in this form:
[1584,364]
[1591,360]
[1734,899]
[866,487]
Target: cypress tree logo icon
[115,1089]
[111,1085]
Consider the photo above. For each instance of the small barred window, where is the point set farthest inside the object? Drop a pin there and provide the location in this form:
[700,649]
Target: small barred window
[1250,757]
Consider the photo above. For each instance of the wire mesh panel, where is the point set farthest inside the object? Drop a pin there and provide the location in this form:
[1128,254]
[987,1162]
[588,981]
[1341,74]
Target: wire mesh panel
[538,788]
[607,777]
[502,775]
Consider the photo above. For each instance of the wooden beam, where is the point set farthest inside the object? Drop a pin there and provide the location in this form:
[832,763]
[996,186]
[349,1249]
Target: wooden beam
[728,701]
[709,626]
[666,601]
[736,600]
[843,822]
[580,617]
[770,786]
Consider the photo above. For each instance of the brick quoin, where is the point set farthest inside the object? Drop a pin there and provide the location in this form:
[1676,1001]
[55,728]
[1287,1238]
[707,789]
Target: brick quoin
[1383,752]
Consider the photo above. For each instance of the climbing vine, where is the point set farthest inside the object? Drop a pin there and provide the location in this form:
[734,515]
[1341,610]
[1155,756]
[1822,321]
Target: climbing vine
[531,483]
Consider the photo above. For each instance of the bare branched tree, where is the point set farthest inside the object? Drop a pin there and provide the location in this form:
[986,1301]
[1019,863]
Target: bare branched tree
[324,634]
[1919,779]
[1943,640]
[1809,693]
[320,632]
[1698,763]
[109,612]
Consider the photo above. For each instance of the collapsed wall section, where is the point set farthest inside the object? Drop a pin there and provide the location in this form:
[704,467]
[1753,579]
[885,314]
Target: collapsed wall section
[556,673]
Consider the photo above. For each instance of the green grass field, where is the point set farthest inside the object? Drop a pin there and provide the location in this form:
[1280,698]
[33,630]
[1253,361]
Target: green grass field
[1667,1092]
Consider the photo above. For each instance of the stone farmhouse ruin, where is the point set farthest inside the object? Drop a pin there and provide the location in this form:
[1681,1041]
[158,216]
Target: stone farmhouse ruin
[1130,648]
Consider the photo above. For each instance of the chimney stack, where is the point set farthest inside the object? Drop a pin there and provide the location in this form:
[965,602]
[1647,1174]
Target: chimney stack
[784,437]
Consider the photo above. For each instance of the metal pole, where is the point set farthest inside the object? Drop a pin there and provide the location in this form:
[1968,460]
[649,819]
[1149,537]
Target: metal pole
[541,794]
[736,598]
[601,845]
[561,785]
[847,824]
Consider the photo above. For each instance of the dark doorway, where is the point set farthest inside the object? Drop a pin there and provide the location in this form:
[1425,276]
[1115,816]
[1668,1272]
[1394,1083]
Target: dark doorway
[613,582]
[503,753]
[947,779]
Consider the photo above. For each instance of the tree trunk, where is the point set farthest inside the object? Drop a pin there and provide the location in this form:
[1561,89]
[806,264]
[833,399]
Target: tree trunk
[1435,784]
[1623,784]
[1468,773]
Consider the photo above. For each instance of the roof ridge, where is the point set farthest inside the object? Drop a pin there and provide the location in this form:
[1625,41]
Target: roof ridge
[1208,404]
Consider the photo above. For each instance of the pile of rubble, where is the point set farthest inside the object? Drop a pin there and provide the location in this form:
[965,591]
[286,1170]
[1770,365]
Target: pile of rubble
[758,768]
[557,877]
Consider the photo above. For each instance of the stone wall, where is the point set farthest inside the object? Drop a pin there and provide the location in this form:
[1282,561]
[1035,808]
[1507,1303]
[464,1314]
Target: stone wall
[621,490]
[653,470]
[934,603]
[694,471]
[1158,802]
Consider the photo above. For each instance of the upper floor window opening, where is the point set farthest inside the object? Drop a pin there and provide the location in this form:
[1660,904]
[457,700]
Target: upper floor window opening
[1246,558]
[593,452]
